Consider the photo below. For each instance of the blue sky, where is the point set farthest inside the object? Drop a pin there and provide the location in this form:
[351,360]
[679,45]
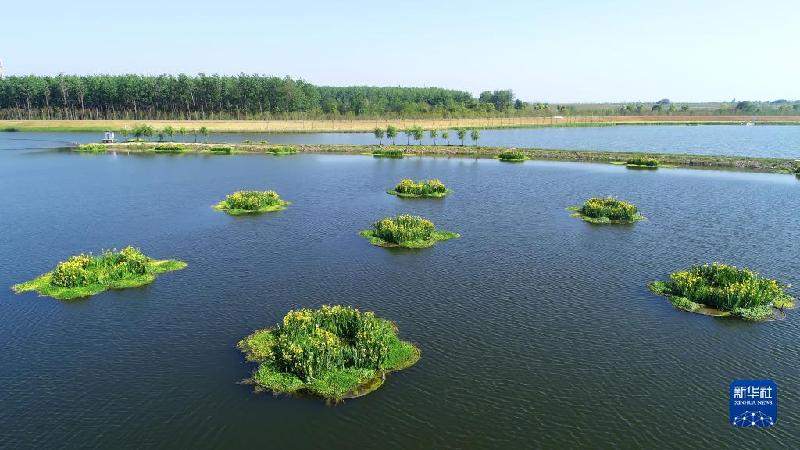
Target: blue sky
[544,50]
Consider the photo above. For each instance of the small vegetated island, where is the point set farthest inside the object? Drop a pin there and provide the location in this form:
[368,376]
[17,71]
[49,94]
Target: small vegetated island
[721,290]
[408,188]
[511,156]
[335,352]
[642,163]
[406,231]
[85,275]
[388,153]
[251,202]
[604,210]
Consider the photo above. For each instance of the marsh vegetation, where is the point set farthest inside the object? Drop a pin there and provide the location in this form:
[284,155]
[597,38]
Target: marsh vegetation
[251,202]
[728,289]
[406,231]
[86,274]
[408,188]
[334,352]
[604,210]
[511,156]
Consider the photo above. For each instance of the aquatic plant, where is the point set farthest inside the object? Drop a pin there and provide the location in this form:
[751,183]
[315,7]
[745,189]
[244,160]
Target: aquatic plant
[283,150]
[251,202]
[642,162]
[91,148]
[221,150]
[408,188]
[511,156]
[405,231]
[388,153]
[334,352]
[607,210]
[84,275]
[733,291]
[169,148]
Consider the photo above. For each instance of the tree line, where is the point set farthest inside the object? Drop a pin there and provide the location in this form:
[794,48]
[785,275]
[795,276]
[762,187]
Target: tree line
[418,133]
[220,97]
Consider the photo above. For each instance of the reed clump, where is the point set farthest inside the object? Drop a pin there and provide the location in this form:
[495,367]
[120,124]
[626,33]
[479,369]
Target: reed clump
[388,153]
[86,274]
[406,231]
[169,148]
[604,210]
[251,202]
[221,150]
[91,148]
[741,293]
[283,150]
[408,188]
[334,352]
[511,156]
[650,163]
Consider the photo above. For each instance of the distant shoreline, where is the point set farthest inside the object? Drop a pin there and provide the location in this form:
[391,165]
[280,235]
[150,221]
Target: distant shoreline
[368,125]
[667,160]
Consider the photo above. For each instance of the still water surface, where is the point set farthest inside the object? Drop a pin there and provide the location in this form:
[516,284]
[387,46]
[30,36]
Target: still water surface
[780,141]
[537,329]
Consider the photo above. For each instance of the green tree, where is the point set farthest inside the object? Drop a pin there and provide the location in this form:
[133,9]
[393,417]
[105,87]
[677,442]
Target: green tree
[418,133]
[446,136]
[169,131]
[204,131]
[462,134]
[408,131]
[379,135]
[433,133]
[475,134]
[391,133]
[182,131]
[142,131]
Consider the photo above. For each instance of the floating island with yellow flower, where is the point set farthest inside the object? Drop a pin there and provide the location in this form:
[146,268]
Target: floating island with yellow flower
[251,202]
[335,352]
[721,290]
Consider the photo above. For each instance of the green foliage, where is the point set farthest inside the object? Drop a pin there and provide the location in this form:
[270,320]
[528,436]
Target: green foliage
[333,352]
[91,148]
[283,150]
[741,292]
[607,210]
[142,131]
[511,156]
[462,134]
[643,162]
[84,275]
[405,231]
[432,134]
[429,188]
[391,133]
[475,134]
[388,153]
[446,136]
[221,149]
[379,133]
[251,202]
[169,148]
[204,132]
[418,133]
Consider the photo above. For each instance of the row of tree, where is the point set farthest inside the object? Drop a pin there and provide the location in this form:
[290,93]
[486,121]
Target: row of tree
[227,97]
[418,133]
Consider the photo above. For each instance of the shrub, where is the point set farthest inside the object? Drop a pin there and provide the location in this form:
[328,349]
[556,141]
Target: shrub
[388,153]
[221,150]
[334,352]
[406,231]
[607,210]
[642,162]
[511,156]
[247,202]
[283,150]
[742,292]
[84,275]
[410,188]
[91,148]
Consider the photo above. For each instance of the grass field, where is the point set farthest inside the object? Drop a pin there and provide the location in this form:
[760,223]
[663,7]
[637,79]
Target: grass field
[355,125]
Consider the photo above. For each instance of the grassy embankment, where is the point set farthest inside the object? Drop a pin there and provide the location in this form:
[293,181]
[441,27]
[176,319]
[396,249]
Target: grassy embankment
[85,275]
[368,125]
[334,352]
[741,163]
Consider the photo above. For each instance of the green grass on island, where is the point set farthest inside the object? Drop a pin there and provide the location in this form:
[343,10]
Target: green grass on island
[511,156]
[282,150]
[388,153]
[406,231]
[85,275]
[168,148]
[221,150]
[334,352]
[721,290]
[646,163]
[408,188]
[603,210]
[251,202]
[91,148]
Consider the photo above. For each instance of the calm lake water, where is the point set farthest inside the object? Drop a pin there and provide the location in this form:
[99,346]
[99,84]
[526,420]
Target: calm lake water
[537,329]
[781,141]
